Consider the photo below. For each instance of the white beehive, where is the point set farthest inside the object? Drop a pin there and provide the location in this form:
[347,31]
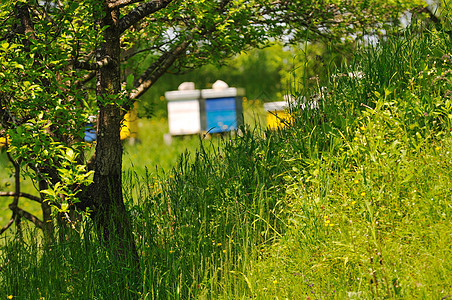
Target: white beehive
[183,112]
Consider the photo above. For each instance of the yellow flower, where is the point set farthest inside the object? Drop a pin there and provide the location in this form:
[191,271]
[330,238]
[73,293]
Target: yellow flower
[363,194]
[275,281]
[171,251]
[353,202]
[356,181]
[362,128]
[10,297]
[218,244]
[224,251]
[355,138]
[437,148]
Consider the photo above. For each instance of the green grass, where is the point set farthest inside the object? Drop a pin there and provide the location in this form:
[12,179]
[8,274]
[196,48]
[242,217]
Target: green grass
[350,202]
[152,153]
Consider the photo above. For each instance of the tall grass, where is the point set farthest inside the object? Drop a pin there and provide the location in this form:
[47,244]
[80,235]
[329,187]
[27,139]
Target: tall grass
[369,190]
[352,201]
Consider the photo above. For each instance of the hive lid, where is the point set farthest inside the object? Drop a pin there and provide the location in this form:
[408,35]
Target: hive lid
[183,95]
[220,93]
[220,85]
[186,86]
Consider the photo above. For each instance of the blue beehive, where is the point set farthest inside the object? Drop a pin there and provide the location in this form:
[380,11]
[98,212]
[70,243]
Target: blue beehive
[221,108]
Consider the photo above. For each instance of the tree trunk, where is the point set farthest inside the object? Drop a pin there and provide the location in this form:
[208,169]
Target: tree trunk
[110,216]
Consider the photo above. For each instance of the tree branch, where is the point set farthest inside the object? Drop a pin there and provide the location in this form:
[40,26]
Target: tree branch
[121,3]
[85,79]
[157,69]
[21,195]
[126,57]
[141,12]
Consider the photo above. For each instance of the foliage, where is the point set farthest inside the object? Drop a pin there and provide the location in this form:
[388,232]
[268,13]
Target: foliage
[64,61]
[351,201]
[51,51]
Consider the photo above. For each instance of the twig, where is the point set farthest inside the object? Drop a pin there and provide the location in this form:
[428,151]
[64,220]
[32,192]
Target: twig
[15,202]
[366,106]
[10,222]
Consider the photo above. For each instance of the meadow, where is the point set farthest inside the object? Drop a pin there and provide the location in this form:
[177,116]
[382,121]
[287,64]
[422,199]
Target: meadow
[351,201]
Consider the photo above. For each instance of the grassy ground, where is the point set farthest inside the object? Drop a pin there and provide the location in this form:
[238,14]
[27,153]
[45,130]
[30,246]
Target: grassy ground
[350,202]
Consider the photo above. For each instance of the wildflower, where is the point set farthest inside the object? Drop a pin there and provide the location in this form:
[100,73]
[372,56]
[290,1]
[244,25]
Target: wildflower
[356,181]
[363,194]
[355,138]
[437,148]
[171,251]
[362,128]
[327,221]
[275,281]
[218,244]
[10,297]
[224,250]
[353,202]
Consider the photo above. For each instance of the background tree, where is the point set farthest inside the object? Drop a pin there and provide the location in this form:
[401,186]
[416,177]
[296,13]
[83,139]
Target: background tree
[62,61]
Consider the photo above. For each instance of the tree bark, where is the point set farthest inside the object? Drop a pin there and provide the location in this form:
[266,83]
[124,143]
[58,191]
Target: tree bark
[110,216]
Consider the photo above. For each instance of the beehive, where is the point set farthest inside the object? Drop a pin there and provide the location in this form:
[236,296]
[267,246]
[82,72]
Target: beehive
[278,115]
[184,115]
[221,109]
[129,127]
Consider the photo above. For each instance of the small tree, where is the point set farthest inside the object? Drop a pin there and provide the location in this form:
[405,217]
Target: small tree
[62,61]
